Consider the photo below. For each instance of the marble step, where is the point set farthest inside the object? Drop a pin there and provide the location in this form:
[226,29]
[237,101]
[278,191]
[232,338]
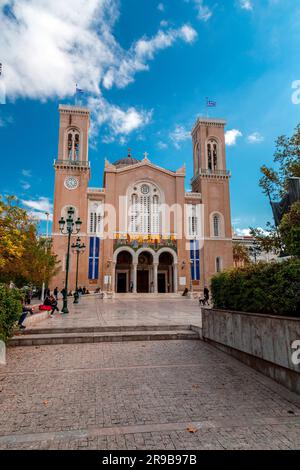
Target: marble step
[76,338]
[102,329]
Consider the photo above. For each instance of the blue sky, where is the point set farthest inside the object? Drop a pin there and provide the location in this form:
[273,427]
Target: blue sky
[146,67]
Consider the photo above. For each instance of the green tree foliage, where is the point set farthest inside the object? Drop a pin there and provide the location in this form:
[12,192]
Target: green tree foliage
[290,230]
[270,288]
[287,159]
[274,183]
[10,310]
[269,240]
[14,223]
[240,254]
[25,258]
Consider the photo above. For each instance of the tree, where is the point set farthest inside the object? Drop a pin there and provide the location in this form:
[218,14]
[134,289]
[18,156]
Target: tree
[274,183]
[32,261]
[10,310]
[284,239]
[14,223]
[240,254]
[268,240]
[290,230]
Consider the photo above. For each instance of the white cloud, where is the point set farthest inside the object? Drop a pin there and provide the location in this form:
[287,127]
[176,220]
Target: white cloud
[245,232]
[47,46]
[255,138]
[178,135]
[188,33]
[119,121]
[122,72]
[4,121]
[163,23]
[25,185]
[204,13]
[246,5]
[161,7]
[232,136]
[39,215]
[26,173]
[42,204]
[242,232]
[162,145]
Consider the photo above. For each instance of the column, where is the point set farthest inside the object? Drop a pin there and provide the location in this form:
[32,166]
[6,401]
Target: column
[170,280]
[175,278]
[155,270]
[134,280]
[113,276]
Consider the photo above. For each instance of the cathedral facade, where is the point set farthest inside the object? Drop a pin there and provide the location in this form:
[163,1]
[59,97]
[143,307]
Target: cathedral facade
[142,231]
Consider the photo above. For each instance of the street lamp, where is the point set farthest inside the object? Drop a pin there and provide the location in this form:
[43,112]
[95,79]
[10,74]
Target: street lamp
[69,224]
[191,279]
[77,248]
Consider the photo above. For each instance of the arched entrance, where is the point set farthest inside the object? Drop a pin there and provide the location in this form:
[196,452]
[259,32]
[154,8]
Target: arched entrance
[145,282]
[165,275]
[123,271]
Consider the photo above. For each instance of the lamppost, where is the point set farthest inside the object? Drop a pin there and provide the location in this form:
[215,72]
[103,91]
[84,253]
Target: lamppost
[69,231]
[77,248]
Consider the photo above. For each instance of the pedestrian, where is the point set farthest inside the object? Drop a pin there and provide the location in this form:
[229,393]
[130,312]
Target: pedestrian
[50,301]
[27,298]
[55,293]
[63,292]
[47,292]
[206,294]
[131,286]
[25,311]
[185,292]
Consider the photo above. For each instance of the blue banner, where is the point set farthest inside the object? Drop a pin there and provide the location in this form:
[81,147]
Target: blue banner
[195,260]
[94,258]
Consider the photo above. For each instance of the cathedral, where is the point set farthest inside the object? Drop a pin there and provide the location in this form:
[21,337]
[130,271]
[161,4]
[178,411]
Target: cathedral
[142,231]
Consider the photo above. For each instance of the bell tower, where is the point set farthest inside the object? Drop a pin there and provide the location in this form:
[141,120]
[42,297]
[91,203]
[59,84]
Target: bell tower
[72,174]
[211,179]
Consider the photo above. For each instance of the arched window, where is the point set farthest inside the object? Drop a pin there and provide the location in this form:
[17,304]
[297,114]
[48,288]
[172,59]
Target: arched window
[216,224]
[134,214]
[144,209]
[96,218]
[155,215]
[193,221]
[73,144]
[218,264]
[212,154]
[197,156]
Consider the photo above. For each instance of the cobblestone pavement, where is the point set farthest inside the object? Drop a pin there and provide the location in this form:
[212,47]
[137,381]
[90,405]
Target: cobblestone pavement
[92,311]
[141,395]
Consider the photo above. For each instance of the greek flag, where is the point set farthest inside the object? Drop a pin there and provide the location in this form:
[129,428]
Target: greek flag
[210,103]
[195,260]
[94,258]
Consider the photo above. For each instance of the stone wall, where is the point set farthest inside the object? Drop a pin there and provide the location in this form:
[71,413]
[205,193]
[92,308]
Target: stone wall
[262,341]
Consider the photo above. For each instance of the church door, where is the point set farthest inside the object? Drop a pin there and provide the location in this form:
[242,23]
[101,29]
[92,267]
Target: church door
[161,283]
[143,281]
[121,282]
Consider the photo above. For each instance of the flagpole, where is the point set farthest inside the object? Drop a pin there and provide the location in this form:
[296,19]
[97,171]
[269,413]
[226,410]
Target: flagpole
[206,105]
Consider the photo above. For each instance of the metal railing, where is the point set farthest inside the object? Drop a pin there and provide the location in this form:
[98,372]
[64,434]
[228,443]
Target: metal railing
[207,172]
[192,195]
[72,163]
[96,190]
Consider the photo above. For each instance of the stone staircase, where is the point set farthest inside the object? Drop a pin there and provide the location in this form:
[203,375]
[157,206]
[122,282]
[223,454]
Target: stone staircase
[130,296]
[48,336]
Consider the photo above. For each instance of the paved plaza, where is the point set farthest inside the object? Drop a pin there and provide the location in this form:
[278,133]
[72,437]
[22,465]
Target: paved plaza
[128,310]
[140,395]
